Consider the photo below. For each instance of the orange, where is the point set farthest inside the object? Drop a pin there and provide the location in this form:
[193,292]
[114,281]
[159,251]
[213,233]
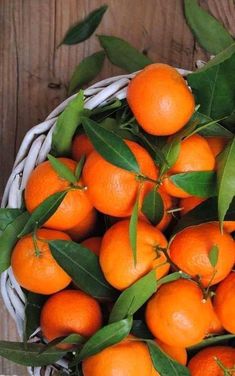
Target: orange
[43,182]
[68,312]
[189,203]
[177,314]
[175,352]
[81,146]
[127,358]
[215,326]
[191,247]
[113,190]
[84,227]
[93,244]
[224,302]
[160,99]
[229,226]
[195,155]
[33,265]
[217,144]
[204,362]
[167,205]
[116,255]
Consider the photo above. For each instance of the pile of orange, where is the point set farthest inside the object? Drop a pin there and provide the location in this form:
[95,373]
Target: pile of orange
[181,313]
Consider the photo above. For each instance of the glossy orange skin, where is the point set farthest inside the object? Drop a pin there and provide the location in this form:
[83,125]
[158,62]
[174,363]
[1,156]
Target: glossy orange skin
[175,352]
[127,358]
[195,155]
[94,244]
[113,190]
[70,311]
[224,302]
[190,249]
[217,144]
[215,326]
[84,227]
[177,314]
[116,256]
[160,99]
[43,182]
[39,273]
[204,363]
[81,146]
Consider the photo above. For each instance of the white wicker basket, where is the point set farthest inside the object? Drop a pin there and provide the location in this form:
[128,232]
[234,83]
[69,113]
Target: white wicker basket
[33,150]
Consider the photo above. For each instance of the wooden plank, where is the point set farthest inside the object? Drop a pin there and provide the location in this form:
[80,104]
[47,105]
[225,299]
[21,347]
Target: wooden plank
[30,63]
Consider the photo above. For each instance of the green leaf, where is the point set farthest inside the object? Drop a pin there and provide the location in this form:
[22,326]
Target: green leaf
[7,216]
[134,297]
[153,207]
[209,32]
[62,170]
[9,238]
[33,308]
[83,267]
[66,125]
[172,277]
[196,183]
[165,365]
[213,255]
[110,146]
[28,354]
[205,212]
[107,336]
[113,104]
[122,54]
[79,167]
[226,179]
[86,71]
[210,128]
[212,341]
[43,212]
[171,151]
[133,229]
[213,85]
[71,339]
[85,28]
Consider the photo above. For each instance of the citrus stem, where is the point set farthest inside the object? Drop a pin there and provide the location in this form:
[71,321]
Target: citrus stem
[35,243]
[174,267]
[143,178]
[227,371]
[207,292]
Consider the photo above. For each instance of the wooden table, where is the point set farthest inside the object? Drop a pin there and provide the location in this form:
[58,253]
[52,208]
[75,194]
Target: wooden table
[33,75]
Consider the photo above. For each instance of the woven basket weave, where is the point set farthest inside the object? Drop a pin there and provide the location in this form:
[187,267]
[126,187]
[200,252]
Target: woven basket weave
[33,150]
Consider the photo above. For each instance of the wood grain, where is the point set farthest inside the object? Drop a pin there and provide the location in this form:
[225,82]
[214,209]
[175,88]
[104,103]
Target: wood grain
[29,63]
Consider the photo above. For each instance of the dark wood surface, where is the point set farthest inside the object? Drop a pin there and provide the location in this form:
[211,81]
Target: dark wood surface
[29,32]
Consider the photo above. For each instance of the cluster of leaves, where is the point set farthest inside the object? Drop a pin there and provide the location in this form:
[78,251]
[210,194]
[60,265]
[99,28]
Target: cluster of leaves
[106,127]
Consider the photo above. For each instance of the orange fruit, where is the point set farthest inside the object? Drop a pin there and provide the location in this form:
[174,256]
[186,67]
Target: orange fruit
[177,314]
[189,203]
[215,326]
[175,352]
[127,358]
[116,255]
[229,226]
[68,312]
[160,99]
[191,247]
[33,265]
[94,244]
[204,362]
[43,182]
[113,190]
[195,155]
[224,302]
[81,146]
[84,227]
[217,144]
